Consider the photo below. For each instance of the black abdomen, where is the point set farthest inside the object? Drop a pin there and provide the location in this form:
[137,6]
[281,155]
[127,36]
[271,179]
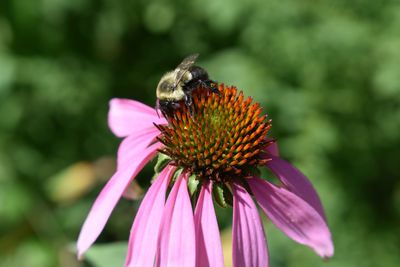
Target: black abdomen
[198,73]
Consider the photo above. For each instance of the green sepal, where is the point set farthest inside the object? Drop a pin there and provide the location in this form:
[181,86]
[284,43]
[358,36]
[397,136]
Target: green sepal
[155,175]
[162,162]
[222,195]
[193,184]
[228,196]
[176,175]
[218,194]
[255,171]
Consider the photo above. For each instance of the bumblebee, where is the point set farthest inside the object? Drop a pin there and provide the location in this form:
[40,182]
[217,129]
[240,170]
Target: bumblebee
[176,87]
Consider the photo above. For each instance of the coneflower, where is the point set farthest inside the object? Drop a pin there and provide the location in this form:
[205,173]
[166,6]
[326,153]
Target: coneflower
[213,152]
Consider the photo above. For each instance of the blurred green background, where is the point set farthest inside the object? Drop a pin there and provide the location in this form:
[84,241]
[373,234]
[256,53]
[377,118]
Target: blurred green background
[326,72]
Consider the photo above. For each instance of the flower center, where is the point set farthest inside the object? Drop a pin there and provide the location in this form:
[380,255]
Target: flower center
[224,138]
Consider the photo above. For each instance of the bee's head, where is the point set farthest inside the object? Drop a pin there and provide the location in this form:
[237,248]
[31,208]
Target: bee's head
[167,82]
[169,87]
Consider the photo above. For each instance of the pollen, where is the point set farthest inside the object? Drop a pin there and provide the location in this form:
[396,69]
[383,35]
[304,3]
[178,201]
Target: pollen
[223,138]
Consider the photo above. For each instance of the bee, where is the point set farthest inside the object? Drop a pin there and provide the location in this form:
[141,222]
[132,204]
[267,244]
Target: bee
[176,87]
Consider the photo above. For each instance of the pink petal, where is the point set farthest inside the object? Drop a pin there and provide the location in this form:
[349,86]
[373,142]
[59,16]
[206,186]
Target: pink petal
[109,197]
[249,244]
[296,182]
[294,216]
[128,116]
[176,243]
[272,148]
[133,145]
[208,242]
[143,238]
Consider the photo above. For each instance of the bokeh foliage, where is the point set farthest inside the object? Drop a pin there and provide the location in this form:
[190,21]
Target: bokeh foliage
[327,73]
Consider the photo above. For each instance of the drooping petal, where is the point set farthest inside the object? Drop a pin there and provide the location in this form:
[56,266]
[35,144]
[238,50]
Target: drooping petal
[294,216]
[249,244]
[143,238]
[208,242]
[176,242]
[127,116]
[133,145]
[108,198]
[272,148]
[296,182]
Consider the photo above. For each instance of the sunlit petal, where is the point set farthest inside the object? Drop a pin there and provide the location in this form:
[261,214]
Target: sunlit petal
[133,145]
[127,116]
[108,198]
[249,244]
[296,182]
[208,242]
[143,240]
[176,244]
[294,216]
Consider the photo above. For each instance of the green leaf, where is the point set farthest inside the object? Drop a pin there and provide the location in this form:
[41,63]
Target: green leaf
[107,255]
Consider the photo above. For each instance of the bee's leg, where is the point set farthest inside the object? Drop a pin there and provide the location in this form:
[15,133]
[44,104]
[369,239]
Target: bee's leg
[157,108]
[212,86]
[166,108]
[173,106]
[189,103]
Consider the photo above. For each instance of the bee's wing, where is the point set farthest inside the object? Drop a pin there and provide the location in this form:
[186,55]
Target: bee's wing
[188,62]
[184,67]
